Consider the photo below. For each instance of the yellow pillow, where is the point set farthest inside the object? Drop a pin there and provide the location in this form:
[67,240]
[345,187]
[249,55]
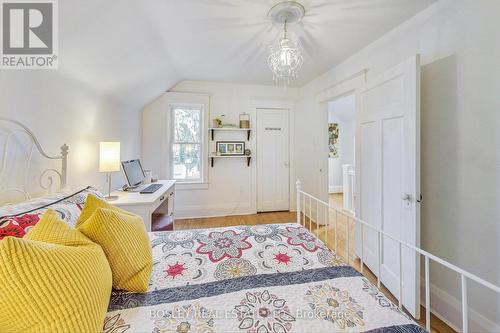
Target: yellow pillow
[91,204]
[53,280]
[124,239]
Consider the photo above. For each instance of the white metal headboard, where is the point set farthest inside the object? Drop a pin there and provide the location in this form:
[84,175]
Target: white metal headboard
[21,176]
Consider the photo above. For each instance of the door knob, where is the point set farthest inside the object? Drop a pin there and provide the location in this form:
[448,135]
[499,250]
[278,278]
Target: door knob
[406,197]
[287,164]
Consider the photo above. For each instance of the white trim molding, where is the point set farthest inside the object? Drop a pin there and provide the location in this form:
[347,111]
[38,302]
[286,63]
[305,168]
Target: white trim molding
[362,73]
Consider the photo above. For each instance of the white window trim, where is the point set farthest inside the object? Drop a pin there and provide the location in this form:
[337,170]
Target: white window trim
[194,101]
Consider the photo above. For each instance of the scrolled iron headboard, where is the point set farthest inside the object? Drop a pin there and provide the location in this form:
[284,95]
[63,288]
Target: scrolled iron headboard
[19,177]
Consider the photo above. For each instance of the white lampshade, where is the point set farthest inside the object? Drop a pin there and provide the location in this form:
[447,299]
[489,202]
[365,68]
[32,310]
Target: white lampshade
[109,156]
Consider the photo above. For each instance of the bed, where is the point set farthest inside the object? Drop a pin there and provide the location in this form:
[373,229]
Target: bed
[263,278]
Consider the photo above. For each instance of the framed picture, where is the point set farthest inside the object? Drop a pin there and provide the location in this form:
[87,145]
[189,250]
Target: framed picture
[333,140]
[230,148]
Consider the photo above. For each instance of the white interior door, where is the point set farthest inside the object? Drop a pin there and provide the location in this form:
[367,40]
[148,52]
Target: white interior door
[273,160]
[387,162]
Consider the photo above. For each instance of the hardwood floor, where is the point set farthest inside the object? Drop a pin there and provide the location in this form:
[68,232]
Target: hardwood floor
[337,242]
[227,221]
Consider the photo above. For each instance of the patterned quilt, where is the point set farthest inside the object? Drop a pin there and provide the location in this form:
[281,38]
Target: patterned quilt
[17,220]
[257,279]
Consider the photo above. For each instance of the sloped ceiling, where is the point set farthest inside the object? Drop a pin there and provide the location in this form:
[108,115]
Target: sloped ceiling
[133,50]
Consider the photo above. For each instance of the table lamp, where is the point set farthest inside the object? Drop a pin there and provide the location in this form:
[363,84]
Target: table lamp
[109,161]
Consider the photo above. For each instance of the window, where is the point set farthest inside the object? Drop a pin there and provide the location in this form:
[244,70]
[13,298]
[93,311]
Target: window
[187,144]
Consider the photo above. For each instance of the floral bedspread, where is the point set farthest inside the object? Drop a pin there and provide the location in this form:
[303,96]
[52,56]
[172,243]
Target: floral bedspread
[17,220]
[257,279]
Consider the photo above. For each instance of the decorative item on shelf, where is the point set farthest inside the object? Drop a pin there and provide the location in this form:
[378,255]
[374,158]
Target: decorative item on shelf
[217,122]
[230,148]
[244,120]
[109,161]
[229,126]
[248,152]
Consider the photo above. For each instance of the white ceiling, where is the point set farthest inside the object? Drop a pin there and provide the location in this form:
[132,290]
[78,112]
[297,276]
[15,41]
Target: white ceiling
[133,50]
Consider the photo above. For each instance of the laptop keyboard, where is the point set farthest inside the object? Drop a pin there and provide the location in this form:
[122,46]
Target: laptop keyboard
[151,189]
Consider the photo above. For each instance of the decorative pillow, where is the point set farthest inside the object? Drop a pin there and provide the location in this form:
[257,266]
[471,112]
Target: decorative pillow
[125,242]
[92,203]
[53,280]
[17,220]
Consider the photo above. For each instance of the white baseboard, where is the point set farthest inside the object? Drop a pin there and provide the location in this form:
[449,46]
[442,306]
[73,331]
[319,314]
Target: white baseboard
[335,189]
[202,211]
[449,309]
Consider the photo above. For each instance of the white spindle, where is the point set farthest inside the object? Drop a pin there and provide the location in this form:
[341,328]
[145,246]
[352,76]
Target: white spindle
[304,208]
[310,214]
[362,248]
[379,258]
[327,220]
[427,297]
[400,300]
[465,308]
[317,218]
[347,240]
[298,188]
[336,230]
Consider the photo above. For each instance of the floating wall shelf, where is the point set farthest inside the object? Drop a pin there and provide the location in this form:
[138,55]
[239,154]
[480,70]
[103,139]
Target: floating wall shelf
[212,131]
[212,157]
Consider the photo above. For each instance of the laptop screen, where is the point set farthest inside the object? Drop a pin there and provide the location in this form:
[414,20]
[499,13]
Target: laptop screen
[133,172]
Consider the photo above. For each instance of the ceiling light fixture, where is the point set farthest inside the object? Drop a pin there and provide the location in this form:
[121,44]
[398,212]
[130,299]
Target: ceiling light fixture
[285,58]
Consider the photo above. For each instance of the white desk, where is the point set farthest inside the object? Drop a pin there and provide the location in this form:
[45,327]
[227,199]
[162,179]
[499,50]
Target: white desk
[144,205]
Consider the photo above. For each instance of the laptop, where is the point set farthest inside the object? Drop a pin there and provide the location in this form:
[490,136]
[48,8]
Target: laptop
[134,174]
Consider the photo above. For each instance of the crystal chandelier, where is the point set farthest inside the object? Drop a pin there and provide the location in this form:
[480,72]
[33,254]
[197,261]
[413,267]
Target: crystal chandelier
[285,59]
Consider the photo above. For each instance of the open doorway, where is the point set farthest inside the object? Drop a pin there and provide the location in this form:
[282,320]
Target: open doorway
[341,157]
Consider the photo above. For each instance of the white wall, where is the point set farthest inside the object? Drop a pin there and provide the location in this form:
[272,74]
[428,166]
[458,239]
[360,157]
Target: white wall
[231,183]
[342,112]
[59,110]
[460,52]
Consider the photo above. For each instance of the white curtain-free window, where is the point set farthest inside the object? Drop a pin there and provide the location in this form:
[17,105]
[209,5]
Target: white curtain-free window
[187,144]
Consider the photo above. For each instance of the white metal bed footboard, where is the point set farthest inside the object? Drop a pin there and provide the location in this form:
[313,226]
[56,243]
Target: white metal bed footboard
[304,213]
